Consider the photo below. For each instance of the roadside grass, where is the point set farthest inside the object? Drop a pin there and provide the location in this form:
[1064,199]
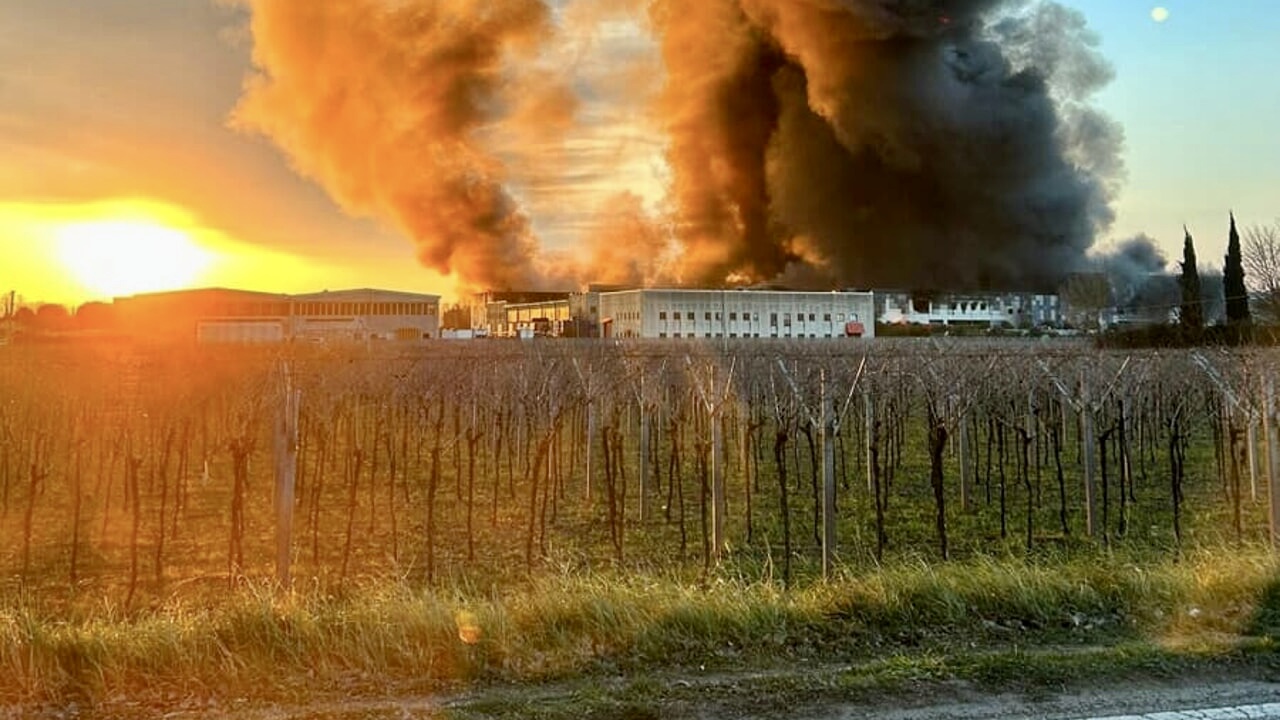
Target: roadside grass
[978,619]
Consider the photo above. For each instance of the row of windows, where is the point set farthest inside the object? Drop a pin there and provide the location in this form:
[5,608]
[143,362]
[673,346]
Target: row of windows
[322,309]
[755,317]
[745,335]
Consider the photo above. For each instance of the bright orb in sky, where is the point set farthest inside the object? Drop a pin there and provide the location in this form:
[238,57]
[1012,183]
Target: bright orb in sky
[125,257]
[1160,14]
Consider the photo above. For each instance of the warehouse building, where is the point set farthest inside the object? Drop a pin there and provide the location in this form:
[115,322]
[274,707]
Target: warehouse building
[220,315]
[490,315]
[681,313]
[986,309]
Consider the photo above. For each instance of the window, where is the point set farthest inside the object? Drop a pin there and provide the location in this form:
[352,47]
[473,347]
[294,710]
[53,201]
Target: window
[689,315]
[662,334]
[707,316]
[826,317]
[812,317]
[773,319]
[733,317]
[717,317]
[662,314]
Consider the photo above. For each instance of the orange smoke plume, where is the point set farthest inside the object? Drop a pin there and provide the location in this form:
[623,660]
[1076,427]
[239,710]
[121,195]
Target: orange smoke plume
[385,104]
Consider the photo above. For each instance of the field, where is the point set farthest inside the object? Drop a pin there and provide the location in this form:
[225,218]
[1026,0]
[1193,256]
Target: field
[534,510]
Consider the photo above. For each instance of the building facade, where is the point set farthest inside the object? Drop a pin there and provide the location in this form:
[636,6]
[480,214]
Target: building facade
[489,316]
[1014,310]
[680,313]
[219,315]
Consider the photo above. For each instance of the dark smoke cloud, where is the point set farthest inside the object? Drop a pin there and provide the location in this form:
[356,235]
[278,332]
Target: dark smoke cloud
[1131,266]
[942,144]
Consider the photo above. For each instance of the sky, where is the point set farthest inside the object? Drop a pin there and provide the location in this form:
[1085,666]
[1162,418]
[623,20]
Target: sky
[115,131]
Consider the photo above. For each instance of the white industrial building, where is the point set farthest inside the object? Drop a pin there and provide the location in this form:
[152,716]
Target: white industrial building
[680,313]
[985,309]
[219,315]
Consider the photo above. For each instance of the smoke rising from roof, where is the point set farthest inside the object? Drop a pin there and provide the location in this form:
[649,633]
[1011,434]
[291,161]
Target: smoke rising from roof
[1130,266]
[945,144]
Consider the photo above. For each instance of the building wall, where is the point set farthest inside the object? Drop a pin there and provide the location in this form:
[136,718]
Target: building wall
[657,313]
[216,315]
[365,314]
[1012,309]
[546,318]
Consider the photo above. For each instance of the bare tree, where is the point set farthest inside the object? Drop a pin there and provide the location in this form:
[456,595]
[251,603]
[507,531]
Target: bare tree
[1262,268]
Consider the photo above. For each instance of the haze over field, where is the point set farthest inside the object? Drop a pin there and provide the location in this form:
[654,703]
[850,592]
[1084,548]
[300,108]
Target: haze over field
[288,145]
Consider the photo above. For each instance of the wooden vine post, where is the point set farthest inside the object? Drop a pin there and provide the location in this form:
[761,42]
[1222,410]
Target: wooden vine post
[286,466]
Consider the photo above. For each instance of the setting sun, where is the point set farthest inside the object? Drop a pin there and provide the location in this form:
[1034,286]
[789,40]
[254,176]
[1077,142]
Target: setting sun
[123,257]
[76,252]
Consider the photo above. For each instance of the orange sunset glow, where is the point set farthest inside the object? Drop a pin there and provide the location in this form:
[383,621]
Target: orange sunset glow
[75,252]
[124,257]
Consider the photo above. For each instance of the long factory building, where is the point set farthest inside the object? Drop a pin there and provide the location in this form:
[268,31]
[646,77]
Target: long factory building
[677,313]
[224,316]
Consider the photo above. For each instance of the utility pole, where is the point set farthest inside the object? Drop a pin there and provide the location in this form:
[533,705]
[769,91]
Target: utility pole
[6,320]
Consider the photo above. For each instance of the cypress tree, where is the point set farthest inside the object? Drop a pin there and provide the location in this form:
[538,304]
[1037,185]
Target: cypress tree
[1191,315]
[1233,288]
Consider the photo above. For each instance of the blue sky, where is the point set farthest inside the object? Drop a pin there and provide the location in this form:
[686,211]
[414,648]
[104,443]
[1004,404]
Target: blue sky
[1199,98]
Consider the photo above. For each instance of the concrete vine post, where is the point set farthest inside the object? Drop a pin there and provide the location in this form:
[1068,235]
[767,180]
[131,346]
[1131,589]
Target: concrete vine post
[965,458]
[713,401]
[1087,444]
[1086,406]
[286,470]
[828,418]
[869,418]
[1273,454]
[828,477]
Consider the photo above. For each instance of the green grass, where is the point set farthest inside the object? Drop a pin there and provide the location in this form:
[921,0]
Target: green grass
[968,619]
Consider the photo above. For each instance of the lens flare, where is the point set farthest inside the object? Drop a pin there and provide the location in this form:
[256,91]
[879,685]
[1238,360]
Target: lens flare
[124,257]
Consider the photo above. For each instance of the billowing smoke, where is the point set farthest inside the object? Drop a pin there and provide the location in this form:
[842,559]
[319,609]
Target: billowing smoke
[934,143]
[1132,266]
[943,144]
[385,103]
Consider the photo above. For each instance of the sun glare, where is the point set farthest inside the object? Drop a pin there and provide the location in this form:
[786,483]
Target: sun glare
[125,257]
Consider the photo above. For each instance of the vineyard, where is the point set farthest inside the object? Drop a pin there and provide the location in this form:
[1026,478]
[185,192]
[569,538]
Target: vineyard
[136,475]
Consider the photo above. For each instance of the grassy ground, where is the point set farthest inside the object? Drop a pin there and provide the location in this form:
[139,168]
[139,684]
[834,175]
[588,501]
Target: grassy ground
[1003,622]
